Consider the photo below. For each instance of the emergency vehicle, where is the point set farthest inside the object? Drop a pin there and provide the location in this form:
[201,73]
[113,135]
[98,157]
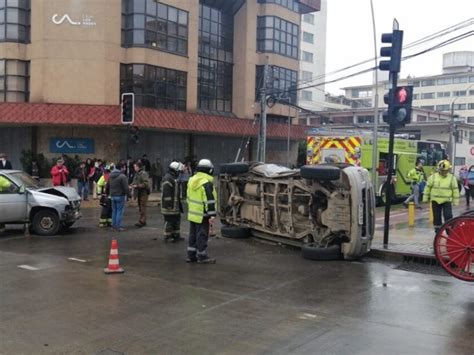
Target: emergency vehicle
[354,147]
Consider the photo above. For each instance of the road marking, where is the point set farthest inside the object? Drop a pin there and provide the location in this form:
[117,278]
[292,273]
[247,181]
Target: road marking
[28,267]
[76,259]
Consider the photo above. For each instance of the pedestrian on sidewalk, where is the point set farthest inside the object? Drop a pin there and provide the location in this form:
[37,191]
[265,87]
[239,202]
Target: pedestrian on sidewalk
[156,175]
[103,190]
[141,185]
[442,191]
[82,176]
[202,206]
[171,206]
[59,173]
[416,177]
[119,191]
[464,180]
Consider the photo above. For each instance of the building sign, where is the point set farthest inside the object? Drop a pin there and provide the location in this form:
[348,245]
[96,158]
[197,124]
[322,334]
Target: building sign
[85,21]
[72,145]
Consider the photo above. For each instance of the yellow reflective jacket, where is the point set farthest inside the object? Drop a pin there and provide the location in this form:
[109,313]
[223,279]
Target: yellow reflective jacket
[416,176]
[4,184]
[442,189]
[201,197]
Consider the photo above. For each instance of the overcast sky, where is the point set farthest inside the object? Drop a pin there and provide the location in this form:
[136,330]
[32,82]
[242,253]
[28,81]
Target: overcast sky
[350,35]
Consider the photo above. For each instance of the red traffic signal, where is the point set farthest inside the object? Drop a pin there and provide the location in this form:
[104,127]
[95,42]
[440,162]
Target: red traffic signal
[401,95]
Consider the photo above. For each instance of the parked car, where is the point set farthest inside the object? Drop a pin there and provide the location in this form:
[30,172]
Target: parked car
[327,210]
[47,209]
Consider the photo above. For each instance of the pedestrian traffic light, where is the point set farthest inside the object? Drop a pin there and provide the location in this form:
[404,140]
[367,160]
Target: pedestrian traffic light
[401,105]
[128,108]
[394,52]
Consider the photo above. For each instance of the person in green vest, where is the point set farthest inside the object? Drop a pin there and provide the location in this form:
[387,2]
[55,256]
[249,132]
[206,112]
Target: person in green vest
[5,186]
[202,207]
[415,176]
[442,190]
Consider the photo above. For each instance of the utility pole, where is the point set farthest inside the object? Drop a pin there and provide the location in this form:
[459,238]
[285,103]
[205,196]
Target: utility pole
[262,135]
[375,156]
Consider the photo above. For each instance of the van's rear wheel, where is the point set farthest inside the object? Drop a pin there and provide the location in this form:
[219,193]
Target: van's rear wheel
[312,252]
[46,222]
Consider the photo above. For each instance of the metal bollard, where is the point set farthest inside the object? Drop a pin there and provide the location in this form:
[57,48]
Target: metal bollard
[411,214]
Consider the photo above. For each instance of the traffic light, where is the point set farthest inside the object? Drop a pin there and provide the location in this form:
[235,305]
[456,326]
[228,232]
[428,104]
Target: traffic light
[394,52]
[128,108]
[401,105]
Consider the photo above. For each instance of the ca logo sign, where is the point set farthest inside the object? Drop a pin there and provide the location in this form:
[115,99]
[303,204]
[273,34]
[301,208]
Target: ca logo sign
[64,18]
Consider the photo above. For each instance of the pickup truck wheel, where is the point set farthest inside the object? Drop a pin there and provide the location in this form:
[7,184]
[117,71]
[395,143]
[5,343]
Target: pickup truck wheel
[46,222]
[235,232]
[320,172]
[234,168]
[312,252]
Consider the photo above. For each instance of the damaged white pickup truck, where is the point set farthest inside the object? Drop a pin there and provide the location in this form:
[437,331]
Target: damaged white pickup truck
[326,210]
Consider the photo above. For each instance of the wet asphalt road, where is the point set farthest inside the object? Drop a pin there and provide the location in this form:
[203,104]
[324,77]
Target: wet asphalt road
[258,299]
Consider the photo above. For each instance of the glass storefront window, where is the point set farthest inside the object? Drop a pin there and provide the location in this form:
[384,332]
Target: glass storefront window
[15,21]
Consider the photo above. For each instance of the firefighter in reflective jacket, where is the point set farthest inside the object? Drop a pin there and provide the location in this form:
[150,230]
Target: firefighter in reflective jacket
[104,198]
[171,206]
[202,206]
[442,190]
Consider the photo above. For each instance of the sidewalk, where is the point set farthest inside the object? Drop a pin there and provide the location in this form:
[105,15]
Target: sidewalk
[154,199]
[408,241]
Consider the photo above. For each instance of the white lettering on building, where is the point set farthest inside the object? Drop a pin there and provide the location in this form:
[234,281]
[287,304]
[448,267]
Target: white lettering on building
[87,20]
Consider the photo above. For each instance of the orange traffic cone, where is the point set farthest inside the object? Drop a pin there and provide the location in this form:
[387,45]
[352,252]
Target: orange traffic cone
[114,265]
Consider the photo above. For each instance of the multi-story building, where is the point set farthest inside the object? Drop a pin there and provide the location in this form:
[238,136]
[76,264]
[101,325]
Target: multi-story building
[451,90]
[313,58]
[194,66]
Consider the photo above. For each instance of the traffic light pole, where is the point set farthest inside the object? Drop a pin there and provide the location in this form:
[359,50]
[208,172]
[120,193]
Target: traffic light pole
[128,141]
[389,186]
[262,133]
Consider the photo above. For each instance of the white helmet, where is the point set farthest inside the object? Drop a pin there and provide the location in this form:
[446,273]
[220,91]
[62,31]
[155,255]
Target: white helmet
[176,166]
[205,165]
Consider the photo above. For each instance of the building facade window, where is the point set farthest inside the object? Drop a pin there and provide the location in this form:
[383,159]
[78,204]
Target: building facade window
[471,79]
[307,57]
[459,93]
[444,81]
[427,82]
[458,135]
[282,81]
[470,106]
[459,106]
[416,96]
[154,25]
[442,107]
[471,137]
[420,118]
[215,62]
[306,95]
[15,21]
[308,18]
[459,161]
[460,80]
[14,80]
[470,119]
[306,75]
[308,37]
[471,92]
[289,4]
[429,107]
[427,95]
[444,94]
[153,86]
[277,36]
[365,119]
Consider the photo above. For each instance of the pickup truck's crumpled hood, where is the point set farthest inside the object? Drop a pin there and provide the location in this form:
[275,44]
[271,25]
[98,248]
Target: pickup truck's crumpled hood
[62,191]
